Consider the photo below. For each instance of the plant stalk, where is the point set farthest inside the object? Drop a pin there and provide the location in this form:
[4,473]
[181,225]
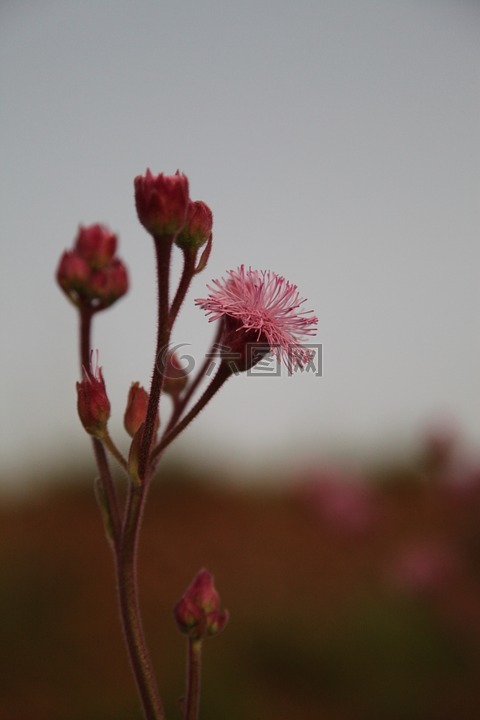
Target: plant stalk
[127,587]
[163,251]
[194,662]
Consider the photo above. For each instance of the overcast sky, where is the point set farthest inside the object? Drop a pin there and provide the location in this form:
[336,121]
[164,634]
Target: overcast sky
[337,143]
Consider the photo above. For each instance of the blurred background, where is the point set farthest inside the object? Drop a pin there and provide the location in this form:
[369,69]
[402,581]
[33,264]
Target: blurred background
[337,144]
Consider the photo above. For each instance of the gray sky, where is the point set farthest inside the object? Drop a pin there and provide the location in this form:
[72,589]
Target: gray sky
[337,143]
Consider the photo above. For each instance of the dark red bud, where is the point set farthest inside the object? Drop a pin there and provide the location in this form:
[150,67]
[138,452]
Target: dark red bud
[161,202]
[108,284]
[198,613]
[136,410]
[72,274]
[92,401]
[197,228]
[96,245]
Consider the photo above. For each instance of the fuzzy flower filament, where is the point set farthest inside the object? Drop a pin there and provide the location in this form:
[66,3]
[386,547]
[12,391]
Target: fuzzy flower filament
[260,308]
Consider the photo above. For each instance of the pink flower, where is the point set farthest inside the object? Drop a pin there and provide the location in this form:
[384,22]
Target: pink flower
[341,498]
[260,307]
[424,567]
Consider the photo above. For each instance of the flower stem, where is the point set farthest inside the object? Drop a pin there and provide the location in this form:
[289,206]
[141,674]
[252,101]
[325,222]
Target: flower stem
[223,373]
[185,280]
[163,250]
[109,493]
[194,661]
[183,402]
[112,448]
[127,586]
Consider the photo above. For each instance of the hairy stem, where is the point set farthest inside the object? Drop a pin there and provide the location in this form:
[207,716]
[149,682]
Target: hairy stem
[114,451]
[194,661]
[223,373]
[183,402]
[109,493]
[163,250]
[185,280]
[127,586]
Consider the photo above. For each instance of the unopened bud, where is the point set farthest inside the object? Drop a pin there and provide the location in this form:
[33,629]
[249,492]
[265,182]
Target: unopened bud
[96,244]
[73,274]
[161,202]
[92,401]
[136,410]
[89,274]
[198,613]
[108,284]
[197,228]
[175,377]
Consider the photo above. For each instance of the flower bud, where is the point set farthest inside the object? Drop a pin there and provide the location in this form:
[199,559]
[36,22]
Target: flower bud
[108,284]
[198,613]
[136,410]
[197,228]
[161,202]
[175,378]
[92,401]
[96,245]
[90,275]
[72,273]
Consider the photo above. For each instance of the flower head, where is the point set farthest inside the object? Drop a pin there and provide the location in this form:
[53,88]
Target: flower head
[260,307]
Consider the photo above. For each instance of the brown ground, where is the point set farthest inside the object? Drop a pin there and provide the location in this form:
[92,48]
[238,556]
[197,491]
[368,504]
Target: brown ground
[328,619]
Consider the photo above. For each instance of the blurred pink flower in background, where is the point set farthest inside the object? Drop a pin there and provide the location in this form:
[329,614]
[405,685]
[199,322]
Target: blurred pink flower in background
[446,462]
[423,567]
[342,499]
[439,446]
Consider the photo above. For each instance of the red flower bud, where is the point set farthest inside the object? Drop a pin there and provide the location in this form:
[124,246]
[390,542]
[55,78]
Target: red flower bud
[96,244]
[161,202]
[198,613]
[175,378]
[92,401]
[136,410]
[108,284]
[72,274]
[197,228]
[89,274]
